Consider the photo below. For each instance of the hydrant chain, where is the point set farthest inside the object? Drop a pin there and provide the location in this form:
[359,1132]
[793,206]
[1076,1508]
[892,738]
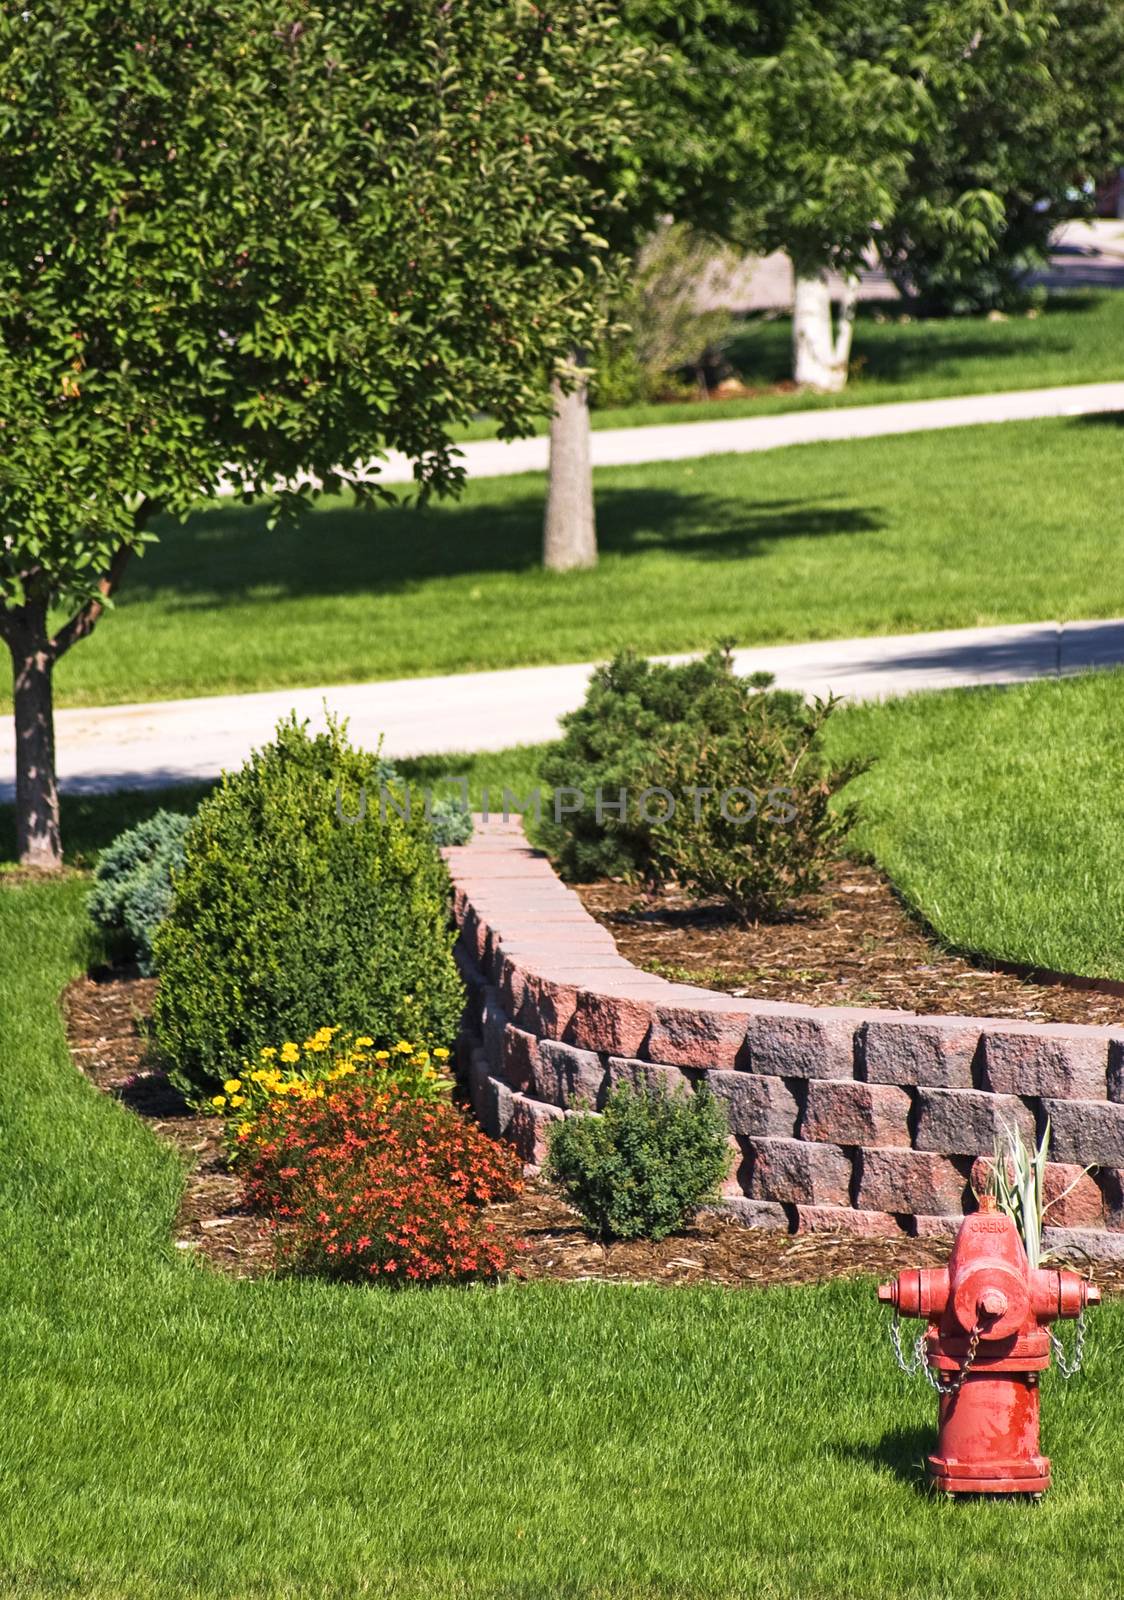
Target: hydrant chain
[1067,1368]
[913,1367]
[954,1385]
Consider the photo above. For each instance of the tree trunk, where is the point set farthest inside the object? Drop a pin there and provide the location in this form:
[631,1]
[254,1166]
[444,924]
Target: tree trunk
[820,352]
[569,529]
[37,798]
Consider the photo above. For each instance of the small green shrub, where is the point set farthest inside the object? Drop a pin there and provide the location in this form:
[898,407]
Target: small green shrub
[298,902]
[633,707]
[661,345]
[766,830]
[133,885]
[643,1167]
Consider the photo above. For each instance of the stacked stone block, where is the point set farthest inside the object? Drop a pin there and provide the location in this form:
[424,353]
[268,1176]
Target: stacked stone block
[877,1122]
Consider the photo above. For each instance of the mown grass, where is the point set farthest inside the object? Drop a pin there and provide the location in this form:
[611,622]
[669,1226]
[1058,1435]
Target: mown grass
[1075,339]
[168,1434]
[999,815]
[1002,523]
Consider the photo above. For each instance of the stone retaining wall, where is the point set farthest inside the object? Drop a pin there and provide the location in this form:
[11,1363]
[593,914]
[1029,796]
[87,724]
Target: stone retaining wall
[839,1118]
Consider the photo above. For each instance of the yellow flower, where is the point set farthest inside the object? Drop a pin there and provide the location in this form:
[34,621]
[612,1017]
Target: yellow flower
[382,1055]
[441,1053]
[232,1085]
[268,1053]
[290,1052]
[218,1100]
[403,1048]
[238,1100]
[364,1041]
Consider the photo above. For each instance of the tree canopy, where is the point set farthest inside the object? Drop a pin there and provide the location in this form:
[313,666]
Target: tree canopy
[950,135]
[1032,115]
[256,242]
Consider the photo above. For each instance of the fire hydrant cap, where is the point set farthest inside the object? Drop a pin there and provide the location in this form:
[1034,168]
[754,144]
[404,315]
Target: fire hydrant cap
[993,1295]
[993,1303]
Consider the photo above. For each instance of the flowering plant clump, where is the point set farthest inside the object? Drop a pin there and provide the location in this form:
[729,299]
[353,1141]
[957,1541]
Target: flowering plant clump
[361,1122]
[306,1071]
[388,1218]
[366,1168]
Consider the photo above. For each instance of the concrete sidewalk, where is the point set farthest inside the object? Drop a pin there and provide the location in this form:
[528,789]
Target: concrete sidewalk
[173,741]
[682,441]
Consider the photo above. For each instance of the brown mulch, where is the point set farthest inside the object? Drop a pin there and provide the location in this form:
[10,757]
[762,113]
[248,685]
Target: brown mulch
[715,1249]
[106,1018]
[106,1023]
[852,944]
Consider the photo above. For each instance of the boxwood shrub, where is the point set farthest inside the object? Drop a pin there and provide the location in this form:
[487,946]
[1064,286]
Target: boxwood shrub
[643,1167]
[299,906]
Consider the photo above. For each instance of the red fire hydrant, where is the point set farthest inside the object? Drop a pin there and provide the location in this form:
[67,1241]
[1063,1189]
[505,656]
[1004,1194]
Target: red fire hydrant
[988,1339]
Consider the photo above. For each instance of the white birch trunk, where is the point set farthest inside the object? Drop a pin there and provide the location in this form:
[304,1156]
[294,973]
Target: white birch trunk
[569,528]
[821,351]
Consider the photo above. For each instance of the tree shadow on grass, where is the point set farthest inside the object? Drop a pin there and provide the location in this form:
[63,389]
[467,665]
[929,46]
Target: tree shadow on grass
[91,821]
[1098,419]
[229,553]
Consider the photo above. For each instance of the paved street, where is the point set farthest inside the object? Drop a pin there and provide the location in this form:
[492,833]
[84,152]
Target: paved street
[1083,255]
[173,741]
[682,441]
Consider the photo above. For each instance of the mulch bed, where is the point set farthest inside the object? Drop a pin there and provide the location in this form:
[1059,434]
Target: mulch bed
[107,1018]
[107,1022]
[715,1249]
[853,944]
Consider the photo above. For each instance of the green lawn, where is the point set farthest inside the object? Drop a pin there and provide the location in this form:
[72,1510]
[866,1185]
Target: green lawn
[1012,522]
[999,815]
[1076,339]
[167,1433]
